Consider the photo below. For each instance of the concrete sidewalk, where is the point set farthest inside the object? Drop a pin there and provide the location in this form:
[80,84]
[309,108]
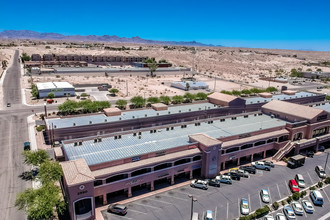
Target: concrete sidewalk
[99,216]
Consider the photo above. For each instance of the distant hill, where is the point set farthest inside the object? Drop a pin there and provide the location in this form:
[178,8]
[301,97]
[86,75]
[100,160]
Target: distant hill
[27,34]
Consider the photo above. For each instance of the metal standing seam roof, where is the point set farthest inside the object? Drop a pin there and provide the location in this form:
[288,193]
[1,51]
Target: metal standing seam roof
[278,97]
[192,84]
[325,107]
[129,146]
[95,119]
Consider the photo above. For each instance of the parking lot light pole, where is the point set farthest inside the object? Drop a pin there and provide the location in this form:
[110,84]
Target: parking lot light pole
[326,161]
[192,205]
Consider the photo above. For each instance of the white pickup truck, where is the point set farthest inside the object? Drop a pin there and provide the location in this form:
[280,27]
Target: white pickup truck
[261,166]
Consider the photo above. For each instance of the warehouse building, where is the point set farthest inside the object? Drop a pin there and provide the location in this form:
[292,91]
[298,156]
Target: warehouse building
[122,163]
[60,89]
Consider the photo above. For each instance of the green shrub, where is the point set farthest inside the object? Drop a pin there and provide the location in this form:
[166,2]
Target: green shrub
[283,203]
[40,128]
[84,94]
[289,199]
[320,184]
[296,196]
[276,205]
[285,159]
[327,180]
[303,193]
[312,188]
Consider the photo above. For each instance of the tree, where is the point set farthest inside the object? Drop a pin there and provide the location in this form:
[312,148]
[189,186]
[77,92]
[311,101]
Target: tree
[25,57]
[138,101]
[165,99]
[34,91]
[162,61]
[226,92]
[84,94]
[121,103]
[4,64]
[177,99]
[50,171]
[187,86]
[319,70]
[35,158]
[153,100]
[40,203]
[113,91]
[152,65]
[271,89]
[201,96]
[51,95]
[68,107]
[236,93]
[189,97]
[246,92]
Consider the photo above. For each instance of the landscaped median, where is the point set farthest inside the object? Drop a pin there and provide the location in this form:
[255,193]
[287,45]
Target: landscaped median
[287,200]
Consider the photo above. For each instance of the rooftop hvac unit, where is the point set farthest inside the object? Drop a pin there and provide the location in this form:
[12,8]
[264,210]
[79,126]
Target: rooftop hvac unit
[90,122]
[105,120]
[145,115]
[95,140]
[80,142]
[75,144]
[74,124]
[99,139]
[139,136]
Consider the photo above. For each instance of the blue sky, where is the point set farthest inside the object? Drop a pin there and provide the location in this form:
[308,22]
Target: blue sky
[287,24]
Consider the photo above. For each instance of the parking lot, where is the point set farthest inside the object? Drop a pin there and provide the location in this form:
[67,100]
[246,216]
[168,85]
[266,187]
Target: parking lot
[224,201]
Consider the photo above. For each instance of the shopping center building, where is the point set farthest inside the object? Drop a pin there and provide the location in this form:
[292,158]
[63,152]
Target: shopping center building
[121,163]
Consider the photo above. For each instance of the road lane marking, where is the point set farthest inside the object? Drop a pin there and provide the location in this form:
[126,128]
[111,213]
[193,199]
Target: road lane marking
[124,217]
[278,189]
[325,217]
[150,206]
[227,210]
[160,201]
[239,213]
[249,200]
[270,198]
[310,177]
[132,210]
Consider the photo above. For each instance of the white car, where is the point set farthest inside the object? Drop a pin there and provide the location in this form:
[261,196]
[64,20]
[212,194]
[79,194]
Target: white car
[268,217]
[307,206]
[297,208]
[289,213]
[245,210]
[199,184]
[261,166]
[280,216]
[264,194]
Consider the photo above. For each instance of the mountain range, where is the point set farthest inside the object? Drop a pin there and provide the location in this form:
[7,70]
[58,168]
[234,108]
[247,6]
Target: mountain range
[27,34]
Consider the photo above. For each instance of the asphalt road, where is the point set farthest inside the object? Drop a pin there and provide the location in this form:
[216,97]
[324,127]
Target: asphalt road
[224,201]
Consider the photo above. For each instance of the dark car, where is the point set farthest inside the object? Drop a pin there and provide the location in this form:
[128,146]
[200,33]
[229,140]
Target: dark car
[249,169]
[234,176]
[27,145]
[213,182]
[8,104]
[117,209]
[310,154]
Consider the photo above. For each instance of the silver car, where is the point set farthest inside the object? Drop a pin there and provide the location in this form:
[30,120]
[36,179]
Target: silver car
[297,208]
[307,206]
[280,216]
[264,194]
[199,184]
[289,213]
[245,210]
[268,217]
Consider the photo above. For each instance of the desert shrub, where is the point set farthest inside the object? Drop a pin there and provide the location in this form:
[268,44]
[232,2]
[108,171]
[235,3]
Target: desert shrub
[296,196]
[276,205]
[327,180]
[40,128]
[289,199]
[320,184]
[303,193]
[312,188]
[283,203]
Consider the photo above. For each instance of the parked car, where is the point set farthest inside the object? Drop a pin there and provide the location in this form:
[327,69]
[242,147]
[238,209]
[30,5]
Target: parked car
[289,213]
[297,208]
[234,176]
[245,210]
[209,215]
[293,186]
[316,197]
[8,104]
[268,217]
[27,145]
[199,184]
[280,216]
[310,154]
[213,182]
[300,180]
[264,194]
[240,172]
[320,171]
[321,148]
[224,179]
[269,163]
[307,206]
[249,169]
[117,209]
[261,166]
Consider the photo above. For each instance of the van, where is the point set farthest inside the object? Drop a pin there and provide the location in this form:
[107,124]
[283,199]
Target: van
[300,180]
[316,197]
[195,216]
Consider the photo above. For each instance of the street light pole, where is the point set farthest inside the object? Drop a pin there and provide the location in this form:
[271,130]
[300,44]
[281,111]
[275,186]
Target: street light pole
[326,161]
[192,205]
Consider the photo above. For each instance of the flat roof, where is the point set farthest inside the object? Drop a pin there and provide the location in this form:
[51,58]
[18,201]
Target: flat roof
[125,115]
[129,145]
[323,106]
[53,85]
[191,83]
[278,97]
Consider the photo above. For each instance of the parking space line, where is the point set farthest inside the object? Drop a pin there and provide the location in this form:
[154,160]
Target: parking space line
[326,195]
[259,199]
[239,213]
[132,210]
[305,213]
[310,177]
[150,206]
[215,213]
[287,187]
[227,210]
[160,201]
[175,197]
[124,217]
[249,200]
[278,189]
[270,197]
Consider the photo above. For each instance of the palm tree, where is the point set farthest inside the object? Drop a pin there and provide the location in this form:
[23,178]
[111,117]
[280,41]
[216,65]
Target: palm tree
[152,67]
